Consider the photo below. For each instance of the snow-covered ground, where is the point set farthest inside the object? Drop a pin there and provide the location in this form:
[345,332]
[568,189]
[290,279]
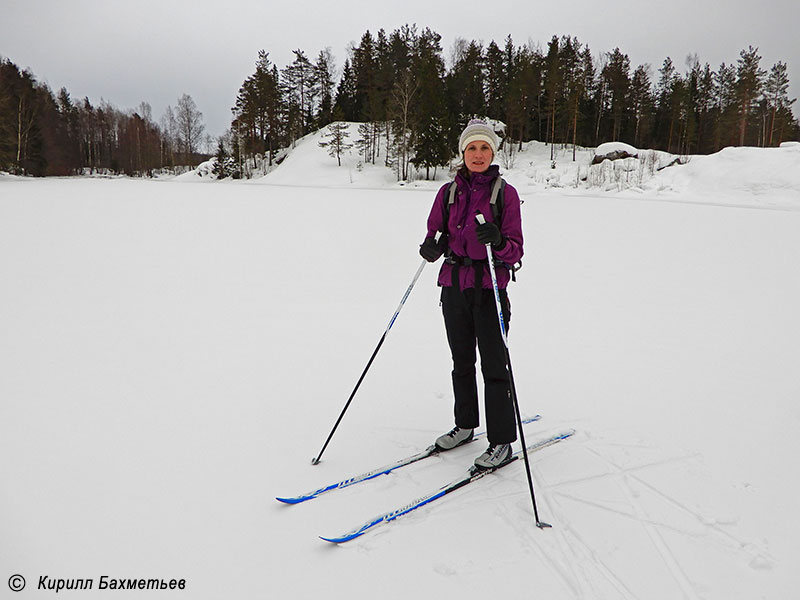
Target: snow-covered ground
[174,354]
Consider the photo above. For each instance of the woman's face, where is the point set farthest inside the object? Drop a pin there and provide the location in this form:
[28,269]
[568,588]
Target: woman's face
[478,156]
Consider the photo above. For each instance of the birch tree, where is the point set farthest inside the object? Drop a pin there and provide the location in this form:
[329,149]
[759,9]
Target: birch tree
[190,127]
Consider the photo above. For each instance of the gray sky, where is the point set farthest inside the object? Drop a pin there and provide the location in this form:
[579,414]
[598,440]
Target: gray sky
[155,51]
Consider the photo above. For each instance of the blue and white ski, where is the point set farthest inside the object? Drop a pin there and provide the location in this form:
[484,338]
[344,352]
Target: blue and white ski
[473,474]
[429,451]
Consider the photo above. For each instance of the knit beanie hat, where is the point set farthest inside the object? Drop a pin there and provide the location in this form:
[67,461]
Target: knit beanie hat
[478,129]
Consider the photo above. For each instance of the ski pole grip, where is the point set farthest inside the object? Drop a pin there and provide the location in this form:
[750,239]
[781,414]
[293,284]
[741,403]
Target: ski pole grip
[437,236]
[479,218]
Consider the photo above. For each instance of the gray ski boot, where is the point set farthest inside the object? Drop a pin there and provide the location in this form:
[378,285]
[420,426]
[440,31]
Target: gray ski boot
[495,456]
[454,437]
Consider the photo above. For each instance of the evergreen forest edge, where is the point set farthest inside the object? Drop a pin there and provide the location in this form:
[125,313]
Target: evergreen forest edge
[411,107]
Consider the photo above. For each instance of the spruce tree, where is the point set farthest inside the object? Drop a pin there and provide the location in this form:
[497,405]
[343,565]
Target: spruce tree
[465,83]
[429,107]
[346,93]
[495,82]
[364,66]
[222,163]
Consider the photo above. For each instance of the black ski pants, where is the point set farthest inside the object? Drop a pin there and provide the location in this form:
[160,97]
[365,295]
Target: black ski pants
[470,318]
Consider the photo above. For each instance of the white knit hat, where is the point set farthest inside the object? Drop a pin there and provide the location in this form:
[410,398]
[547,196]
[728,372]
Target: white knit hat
[478,129]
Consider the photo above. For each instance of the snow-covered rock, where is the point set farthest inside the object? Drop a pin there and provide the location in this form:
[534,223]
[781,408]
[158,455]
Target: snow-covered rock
[614,151]
[203,172]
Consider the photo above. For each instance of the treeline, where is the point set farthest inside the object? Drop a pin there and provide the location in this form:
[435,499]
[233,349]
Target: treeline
[413,106]
[42,133]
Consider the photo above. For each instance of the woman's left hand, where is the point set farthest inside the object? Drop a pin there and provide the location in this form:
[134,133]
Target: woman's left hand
[488,233]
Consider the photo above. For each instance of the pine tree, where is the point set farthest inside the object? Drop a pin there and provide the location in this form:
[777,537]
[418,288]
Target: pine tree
[323,73]
[641,104]
[590,108]
[704,106]
[776,91]
[258,111]
[749,82]
[726,106]
[337,133]
[300,88]
[574,86]
[384,81]
[553,88]
[617,75]
[523,79]
[665,103]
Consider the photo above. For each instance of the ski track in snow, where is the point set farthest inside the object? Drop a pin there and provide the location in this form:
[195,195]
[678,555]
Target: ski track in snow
[577,549]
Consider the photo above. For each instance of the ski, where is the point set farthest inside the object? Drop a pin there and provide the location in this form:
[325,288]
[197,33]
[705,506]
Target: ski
[429,451]
[473,474]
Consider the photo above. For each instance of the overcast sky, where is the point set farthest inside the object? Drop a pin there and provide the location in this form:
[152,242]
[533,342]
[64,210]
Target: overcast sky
[127,52]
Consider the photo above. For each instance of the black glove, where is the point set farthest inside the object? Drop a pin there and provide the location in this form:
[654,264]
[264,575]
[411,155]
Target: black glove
[431,250]
[488,233]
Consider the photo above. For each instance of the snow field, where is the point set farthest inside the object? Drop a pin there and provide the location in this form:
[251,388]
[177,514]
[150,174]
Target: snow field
[174,354]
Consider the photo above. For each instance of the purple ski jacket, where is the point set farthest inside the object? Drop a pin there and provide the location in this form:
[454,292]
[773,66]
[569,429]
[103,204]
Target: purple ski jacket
[472,196]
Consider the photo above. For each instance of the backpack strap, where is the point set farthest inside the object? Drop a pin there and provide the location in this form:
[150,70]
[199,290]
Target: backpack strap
[449,199]
[451,193]
[496,201]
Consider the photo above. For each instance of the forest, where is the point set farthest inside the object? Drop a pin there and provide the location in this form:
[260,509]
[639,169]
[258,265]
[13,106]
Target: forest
[42,133]
[411,102]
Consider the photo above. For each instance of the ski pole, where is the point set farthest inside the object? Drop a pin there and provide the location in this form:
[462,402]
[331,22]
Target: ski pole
[540,524]
[374,354]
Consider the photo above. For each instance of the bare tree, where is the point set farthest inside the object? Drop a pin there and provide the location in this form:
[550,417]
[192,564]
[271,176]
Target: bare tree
[189,121]
[169,136]
[403,92]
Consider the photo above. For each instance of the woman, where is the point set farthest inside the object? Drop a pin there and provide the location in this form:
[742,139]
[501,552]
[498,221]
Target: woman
[467,300]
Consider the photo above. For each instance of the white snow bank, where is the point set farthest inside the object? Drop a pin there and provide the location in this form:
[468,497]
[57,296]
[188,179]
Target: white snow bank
[767,177]
[763,177]
[309,164]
